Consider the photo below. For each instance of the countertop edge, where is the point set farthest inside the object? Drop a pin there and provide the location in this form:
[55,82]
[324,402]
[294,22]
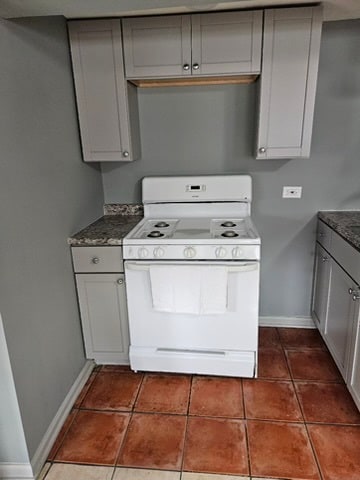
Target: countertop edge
[340,222]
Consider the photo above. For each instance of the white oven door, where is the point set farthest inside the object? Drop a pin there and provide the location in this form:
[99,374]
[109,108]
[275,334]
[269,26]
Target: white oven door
[196,343]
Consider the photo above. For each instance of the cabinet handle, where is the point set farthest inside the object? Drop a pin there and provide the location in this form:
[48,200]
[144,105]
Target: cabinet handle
[119,281]
[125,153]
[262,150]
[356,297]
[95,260]
[196,66]
[186,66]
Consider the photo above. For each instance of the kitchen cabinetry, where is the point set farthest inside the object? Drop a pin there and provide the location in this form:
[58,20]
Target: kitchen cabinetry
[107,104]
[336,298]
[291,46]
[354,374]
[99,275]
[321,287]
[201,44]
[340,316]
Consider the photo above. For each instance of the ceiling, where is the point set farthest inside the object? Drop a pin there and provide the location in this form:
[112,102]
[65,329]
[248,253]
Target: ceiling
[333,9]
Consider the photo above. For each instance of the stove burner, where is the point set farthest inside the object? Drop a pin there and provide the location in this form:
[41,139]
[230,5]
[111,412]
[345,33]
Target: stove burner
[229,233]
[162,225]
[228,224]
[155,233]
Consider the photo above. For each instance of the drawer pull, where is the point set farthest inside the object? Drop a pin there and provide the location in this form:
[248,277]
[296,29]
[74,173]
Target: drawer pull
[95,260]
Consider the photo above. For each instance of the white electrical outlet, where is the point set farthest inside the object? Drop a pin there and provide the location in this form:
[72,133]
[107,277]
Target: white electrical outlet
[291,192]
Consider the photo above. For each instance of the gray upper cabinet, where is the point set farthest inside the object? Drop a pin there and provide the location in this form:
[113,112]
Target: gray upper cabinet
[291,46]
[107,105]
[226,43]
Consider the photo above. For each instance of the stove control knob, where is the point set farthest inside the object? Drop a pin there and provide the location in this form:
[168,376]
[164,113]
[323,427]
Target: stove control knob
[189,252]
[220,252]
[237,252]
[159,252]
[143,252]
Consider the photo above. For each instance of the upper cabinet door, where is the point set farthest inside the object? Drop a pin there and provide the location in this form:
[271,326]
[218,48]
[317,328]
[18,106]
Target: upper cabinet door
[226,43]
[291,46]
[201,44]
[103,98]
[157,46]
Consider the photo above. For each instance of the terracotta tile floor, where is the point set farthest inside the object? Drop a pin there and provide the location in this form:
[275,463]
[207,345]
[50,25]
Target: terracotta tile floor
[296,421]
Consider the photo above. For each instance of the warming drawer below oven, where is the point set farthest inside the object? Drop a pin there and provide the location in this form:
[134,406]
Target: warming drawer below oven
[218,344]
[208,362]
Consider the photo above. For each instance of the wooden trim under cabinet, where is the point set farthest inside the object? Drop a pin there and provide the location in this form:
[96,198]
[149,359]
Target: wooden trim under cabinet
[184,82]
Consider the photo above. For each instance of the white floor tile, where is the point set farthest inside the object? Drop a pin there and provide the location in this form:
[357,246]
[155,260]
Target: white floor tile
[210,476]
[63,471]
[142,474]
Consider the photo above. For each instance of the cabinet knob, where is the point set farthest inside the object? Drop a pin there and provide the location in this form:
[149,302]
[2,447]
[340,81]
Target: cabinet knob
[356,296]
[325,259]
[196,66]
[125,153]
[350,291]
[120,281]
[262,150]
[186,66]
[95,260]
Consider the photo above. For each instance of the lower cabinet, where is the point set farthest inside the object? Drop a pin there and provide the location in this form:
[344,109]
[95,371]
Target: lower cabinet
[336,304]
[100,283]
[354,374]
[321,287]
[341,315]
[102,303]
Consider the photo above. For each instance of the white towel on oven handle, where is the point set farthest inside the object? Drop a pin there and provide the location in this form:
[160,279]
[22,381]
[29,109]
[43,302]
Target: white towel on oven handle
[198,289]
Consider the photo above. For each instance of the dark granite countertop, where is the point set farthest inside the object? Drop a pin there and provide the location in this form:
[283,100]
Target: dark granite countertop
[345,223]
[107,230]
[110,229]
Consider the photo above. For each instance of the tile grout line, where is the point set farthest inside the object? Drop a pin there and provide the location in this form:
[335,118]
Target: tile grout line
[186,427]
[317,461]
[307,431]
[246,430]
[131,413]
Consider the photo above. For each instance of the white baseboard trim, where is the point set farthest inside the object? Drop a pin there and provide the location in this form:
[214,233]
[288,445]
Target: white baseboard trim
[295,322]
[16,471]
[49,438]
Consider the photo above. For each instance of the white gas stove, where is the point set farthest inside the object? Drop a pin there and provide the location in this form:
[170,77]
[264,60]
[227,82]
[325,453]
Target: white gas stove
[205,218]
[192,276]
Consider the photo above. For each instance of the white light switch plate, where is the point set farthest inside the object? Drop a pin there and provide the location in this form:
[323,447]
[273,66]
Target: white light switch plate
[292,192]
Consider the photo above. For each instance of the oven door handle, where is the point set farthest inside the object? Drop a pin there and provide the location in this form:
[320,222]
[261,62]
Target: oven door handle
[243,267]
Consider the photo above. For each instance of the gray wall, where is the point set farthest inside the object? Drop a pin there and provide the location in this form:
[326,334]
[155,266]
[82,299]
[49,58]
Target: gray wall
[198,130]
[46,193]
[12,439]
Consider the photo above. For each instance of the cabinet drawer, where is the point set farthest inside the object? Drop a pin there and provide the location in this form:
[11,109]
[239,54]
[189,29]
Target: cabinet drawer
[324,235]
[97,259]
[347,256]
